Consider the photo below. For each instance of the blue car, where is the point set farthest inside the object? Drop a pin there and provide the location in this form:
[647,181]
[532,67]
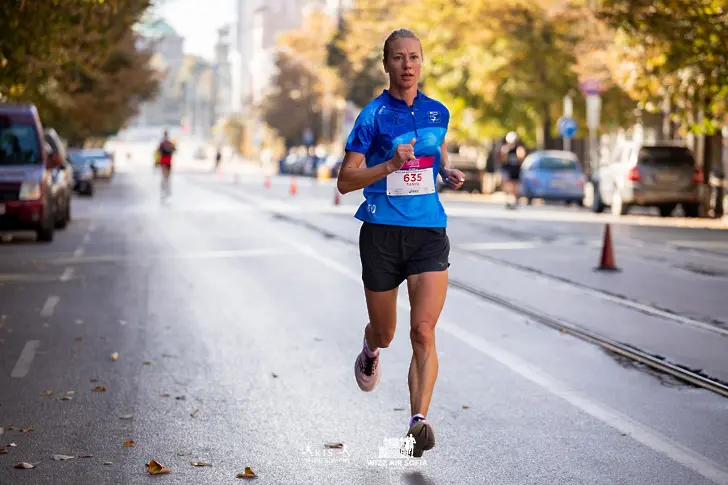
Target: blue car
[552,175]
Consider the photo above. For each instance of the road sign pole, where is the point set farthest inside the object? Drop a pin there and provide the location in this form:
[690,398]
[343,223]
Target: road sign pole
[568,113]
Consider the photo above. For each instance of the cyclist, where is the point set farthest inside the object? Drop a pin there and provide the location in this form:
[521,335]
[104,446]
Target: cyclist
[401,137]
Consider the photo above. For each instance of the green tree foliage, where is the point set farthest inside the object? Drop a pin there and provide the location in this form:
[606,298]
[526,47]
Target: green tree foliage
[76,60]
[675,50]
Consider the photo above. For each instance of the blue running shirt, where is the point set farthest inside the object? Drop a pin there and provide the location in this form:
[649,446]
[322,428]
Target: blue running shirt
[409,196]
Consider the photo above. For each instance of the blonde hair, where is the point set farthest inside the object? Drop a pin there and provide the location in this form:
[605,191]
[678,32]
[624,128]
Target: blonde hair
[399,34]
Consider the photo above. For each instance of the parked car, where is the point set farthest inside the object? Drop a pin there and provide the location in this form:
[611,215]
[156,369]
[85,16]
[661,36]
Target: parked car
[102,162]
[26,173]
[553,175]
[62,178]
[660,175]
[83,174]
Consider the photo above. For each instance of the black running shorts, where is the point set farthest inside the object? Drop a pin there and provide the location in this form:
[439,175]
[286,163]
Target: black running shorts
[512,172]
[389,254]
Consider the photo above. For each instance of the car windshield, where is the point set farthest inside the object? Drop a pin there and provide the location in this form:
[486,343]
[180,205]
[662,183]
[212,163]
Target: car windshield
[666,156]
[557,164]
[78,158]
[18,144]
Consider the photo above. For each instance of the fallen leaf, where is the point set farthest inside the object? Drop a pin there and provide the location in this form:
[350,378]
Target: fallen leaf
[200,463]
[147,362]
[275,376]
[11,428]
[248,473]
[334,445]
[63,457]
[26,430]
[465,406]
[156,468]
[66,398]
[115,356]
[180,398]
[194,413]
[164,395]
[99,389]
[129,443]
[70,393]
[563,330]
[86,456]
[399,409]
[46,393]
[126,416]
[108,463]
[24,466]
[4,451]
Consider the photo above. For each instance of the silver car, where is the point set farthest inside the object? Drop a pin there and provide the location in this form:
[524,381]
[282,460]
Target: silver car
[102,162]
[661,176]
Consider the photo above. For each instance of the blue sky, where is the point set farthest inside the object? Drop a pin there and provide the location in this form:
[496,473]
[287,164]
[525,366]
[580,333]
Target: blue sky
[197,21]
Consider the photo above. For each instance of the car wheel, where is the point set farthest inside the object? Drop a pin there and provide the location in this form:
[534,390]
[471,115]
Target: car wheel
[691,209]
[597,204]
[89,190]
[666,210]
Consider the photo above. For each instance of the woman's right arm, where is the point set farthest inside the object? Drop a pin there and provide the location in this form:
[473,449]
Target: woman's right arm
[354,175]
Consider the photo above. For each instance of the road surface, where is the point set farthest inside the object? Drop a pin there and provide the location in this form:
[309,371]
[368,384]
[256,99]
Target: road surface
[234,313]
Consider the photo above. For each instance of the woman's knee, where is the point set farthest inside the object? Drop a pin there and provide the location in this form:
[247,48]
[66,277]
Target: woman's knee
[384,334]
[422,334]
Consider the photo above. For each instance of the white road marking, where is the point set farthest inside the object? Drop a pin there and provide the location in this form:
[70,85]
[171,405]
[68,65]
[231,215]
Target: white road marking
[239,253]
[50,306]
[67,274]
[613,418]
[92,226]
[78,253]
[22,366]
[86,238]
[489,246]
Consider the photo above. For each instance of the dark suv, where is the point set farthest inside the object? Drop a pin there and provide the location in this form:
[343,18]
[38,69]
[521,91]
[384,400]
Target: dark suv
[26,173]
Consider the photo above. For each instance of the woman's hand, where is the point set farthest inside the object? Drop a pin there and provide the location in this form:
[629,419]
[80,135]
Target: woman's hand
[453,177]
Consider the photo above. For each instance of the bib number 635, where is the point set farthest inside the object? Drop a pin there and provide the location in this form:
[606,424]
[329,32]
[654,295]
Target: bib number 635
[412,177]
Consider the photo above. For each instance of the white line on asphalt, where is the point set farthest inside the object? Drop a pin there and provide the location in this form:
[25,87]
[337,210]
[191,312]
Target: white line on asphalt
[641,433]
[50,306]
[26,358]
[489,246]
[67,274]
[78,252]
[92,226]
[86,238]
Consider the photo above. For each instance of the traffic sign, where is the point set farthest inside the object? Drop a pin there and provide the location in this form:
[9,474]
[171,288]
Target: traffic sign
[591,86]
[567,127]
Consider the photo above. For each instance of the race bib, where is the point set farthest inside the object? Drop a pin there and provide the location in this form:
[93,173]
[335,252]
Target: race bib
[414,178]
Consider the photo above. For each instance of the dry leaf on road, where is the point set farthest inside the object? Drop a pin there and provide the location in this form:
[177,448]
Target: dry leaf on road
[147,362]
[85,456]
[70,393]
[248,473]
[334,445]
[465,406]
[156,468]
[108,463]
[66,398]
[99,389]
[194,413]
[129,443]
[115,356]
[126,416]
[4,451]
[63,457]
[24,465]
[26,430]
[46,393]
[200,463]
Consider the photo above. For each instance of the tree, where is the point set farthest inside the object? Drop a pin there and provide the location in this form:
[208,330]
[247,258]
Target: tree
[674,50]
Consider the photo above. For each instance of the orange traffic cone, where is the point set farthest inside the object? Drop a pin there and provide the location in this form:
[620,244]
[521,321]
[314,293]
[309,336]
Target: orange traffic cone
[293,189]
[607,262]
[267,182]
[337,196]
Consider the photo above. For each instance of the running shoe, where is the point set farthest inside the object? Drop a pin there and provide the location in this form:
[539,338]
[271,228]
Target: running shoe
[424,437]
[366,370]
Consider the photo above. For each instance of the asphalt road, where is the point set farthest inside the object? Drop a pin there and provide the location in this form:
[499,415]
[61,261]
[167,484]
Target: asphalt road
[236,312]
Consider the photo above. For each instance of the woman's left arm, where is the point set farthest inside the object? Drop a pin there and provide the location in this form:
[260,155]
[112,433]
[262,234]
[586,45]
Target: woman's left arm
[453,177]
